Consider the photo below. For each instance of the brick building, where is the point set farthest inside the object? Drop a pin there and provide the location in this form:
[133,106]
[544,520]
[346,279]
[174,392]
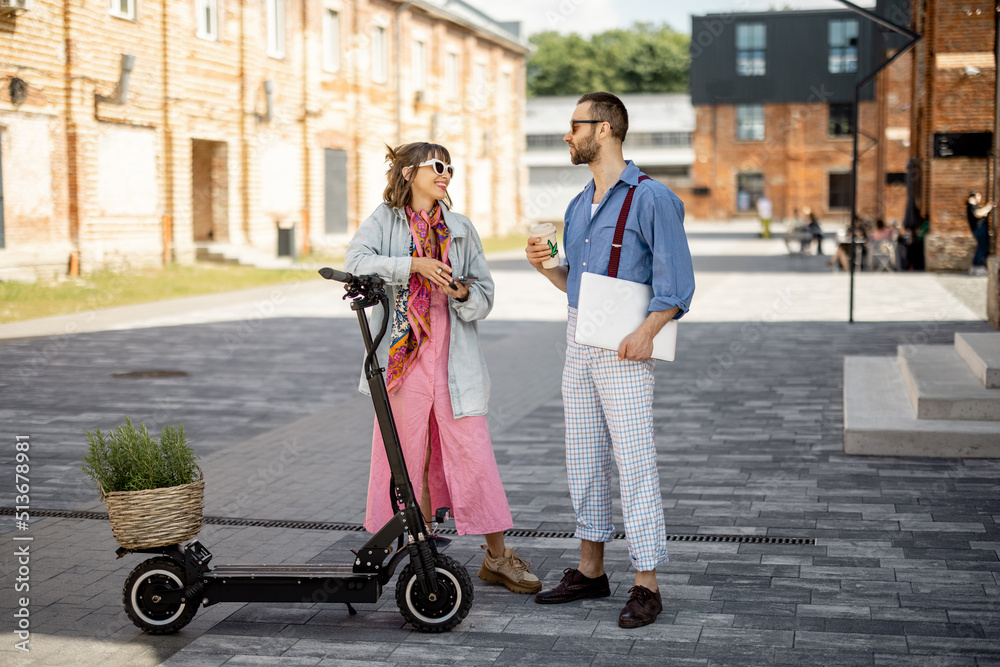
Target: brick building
[773,94]
[136,132]
[952,119]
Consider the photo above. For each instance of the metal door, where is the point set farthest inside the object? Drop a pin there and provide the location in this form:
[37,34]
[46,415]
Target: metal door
[3,242]
[335,191]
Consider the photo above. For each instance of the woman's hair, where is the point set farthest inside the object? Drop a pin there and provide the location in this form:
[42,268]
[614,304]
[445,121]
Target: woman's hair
[398,189]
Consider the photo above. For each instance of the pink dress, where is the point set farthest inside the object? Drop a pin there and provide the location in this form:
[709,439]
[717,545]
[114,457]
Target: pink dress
[463,472]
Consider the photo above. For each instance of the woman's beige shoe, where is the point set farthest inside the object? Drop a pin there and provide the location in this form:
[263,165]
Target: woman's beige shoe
[510,571]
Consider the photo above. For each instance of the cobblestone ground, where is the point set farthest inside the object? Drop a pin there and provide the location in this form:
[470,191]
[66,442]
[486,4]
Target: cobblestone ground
[905,568]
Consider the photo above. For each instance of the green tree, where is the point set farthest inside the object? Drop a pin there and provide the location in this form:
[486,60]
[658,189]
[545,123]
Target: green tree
[562,63]
[643,59]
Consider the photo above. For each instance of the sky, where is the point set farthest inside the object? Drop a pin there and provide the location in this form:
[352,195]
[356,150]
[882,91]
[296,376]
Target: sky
[589,16]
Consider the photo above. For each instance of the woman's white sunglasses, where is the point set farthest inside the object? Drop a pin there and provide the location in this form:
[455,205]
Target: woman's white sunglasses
[439,167]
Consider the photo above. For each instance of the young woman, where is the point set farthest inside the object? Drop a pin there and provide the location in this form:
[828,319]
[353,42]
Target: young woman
[436,374]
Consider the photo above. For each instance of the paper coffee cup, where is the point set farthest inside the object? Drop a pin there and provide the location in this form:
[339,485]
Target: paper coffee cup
[546,231]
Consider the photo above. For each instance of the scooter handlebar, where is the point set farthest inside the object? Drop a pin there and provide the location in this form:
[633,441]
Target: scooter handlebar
[334,274]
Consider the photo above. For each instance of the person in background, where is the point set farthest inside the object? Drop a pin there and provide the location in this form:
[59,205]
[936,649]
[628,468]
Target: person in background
[764,211]
[435,370]
[976,213]
[883,232]
[814,229]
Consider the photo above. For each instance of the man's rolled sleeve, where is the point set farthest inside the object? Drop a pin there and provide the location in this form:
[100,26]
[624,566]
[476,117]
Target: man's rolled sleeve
[673,271]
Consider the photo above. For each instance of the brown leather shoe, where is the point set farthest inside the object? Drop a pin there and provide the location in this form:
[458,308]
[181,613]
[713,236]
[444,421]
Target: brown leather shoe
[575,586]
[642,608]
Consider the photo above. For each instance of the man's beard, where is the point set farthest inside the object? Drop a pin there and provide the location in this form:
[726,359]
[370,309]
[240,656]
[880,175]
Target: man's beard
[586,151]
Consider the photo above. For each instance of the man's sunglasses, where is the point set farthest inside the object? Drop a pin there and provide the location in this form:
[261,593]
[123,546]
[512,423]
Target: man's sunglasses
[439,167]
[573,123]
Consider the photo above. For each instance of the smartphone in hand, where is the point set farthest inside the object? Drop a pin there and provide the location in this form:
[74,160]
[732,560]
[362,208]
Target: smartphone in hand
[465,280]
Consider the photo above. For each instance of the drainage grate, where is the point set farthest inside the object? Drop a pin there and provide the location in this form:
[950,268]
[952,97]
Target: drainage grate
[150,373]
[357,528]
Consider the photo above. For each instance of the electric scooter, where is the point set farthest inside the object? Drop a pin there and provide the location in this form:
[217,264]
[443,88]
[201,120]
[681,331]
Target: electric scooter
[434,592]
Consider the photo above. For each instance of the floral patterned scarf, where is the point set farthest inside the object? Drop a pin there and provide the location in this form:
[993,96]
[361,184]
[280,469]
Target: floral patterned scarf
[411,324]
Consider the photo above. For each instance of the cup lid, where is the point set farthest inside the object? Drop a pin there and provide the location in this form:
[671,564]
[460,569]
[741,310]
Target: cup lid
[543,228]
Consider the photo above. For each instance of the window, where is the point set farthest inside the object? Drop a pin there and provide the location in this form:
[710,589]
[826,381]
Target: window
[751,42]
[276,28]
[451,75]
[674,176]
[541,142]
[331,40]
[504,92]
[208,18]
[123,9]
[380,64]
[657,139]
[750,122]
[841,120]
[749,188]
[840,190]
[895,178]
[843,47]
[480,87]
[419,66]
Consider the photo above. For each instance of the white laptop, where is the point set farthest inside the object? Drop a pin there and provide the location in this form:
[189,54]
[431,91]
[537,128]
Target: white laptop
[611,308]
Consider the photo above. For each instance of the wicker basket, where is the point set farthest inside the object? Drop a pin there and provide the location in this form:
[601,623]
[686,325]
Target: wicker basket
[156,517]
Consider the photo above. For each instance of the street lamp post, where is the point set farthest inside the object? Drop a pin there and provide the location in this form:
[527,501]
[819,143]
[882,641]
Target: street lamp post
[914,38]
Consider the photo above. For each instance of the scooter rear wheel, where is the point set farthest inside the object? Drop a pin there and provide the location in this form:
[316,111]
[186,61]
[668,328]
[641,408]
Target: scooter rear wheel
[143,605]
[447,609]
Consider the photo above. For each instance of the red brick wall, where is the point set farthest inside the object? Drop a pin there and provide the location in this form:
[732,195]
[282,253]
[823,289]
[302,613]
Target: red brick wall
[948,99]
[185,89]
[33,144]
[796,156]
[894,99]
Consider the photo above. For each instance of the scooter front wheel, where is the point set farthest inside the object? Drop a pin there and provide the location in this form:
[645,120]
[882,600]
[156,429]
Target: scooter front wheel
[143,599]
[437,612]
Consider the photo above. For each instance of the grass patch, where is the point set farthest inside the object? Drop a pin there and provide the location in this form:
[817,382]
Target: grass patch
[504,243]
[107,289]
[334,260]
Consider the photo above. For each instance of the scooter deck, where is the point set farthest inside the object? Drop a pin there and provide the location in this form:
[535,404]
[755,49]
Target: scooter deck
[286,570]
[289,583]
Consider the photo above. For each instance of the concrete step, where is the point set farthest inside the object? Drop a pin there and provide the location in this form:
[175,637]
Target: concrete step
[207,255]
[235,254]
[941,386]
[879,421]
[981,352]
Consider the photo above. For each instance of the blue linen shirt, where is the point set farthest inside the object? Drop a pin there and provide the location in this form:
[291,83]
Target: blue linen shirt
[654,249]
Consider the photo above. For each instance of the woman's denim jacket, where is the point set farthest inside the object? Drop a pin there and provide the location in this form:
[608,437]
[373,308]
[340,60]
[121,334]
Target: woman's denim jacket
[382,246]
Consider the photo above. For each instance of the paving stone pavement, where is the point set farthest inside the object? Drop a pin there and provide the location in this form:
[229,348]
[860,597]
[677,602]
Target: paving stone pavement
[905,569]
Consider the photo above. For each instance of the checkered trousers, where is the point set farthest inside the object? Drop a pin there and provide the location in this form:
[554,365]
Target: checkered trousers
[609,410]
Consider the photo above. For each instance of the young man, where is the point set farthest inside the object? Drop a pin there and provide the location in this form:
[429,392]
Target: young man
[764,212]
[608,395]
[976,214]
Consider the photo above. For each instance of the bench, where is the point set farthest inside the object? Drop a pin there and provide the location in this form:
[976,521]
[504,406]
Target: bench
[800,235]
